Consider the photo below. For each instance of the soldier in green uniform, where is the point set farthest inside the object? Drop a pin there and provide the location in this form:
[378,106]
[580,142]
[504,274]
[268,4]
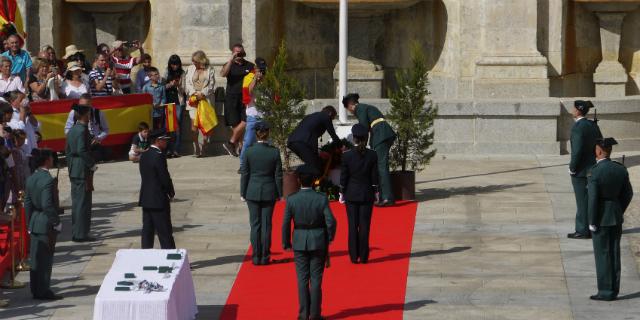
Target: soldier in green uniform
[44,224]
[261,187]
[584,134]
[610,193]
[314,228]
[382,137]
[81,167]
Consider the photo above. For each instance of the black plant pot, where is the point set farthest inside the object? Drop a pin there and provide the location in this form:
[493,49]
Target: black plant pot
[403,185]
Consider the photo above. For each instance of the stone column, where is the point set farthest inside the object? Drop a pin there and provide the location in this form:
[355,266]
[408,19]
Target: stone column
[106,27]
[610,77]
[511,65]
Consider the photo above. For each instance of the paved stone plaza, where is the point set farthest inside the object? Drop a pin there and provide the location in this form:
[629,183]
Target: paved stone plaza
[489,241]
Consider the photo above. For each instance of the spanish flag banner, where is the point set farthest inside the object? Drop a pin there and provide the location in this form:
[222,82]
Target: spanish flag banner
[171,118]
[11,19]
[123,114]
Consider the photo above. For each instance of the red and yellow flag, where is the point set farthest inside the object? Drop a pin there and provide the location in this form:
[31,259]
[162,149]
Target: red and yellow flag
[11,19]
[171,118]
[123,114]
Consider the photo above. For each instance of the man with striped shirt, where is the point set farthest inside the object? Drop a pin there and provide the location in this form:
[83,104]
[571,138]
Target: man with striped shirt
[123,63]
[101,77]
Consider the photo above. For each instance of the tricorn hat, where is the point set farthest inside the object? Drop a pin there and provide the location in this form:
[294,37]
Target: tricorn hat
[606,142]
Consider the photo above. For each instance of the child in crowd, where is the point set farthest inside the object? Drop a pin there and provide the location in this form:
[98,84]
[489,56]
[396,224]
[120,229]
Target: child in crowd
[140,143]
[159,97]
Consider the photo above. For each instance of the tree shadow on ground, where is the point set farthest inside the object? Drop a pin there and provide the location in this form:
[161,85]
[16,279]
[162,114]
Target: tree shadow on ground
[631,230]
[369,310]
[219,261]
[440,193]
[418,254]
[215,312]
[30,311]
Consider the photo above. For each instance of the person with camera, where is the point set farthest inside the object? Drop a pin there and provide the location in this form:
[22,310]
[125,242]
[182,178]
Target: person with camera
[39,81]
[249,84]
[22,118]
[101,77]
[44,224]
[235,71]
[123,63]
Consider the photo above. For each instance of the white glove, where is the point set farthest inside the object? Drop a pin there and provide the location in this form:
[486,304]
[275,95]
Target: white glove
[242,199]
[377,196]
[58,227]
[571,172]
[593,228]
[341,199]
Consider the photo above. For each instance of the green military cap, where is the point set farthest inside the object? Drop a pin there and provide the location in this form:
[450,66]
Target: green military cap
[351,97]
[583,105]
[261,126]
[81,109]
[359,130]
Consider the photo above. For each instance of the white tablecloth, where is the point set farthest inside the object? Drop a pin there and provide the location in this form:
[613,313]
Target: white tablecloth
[178,302]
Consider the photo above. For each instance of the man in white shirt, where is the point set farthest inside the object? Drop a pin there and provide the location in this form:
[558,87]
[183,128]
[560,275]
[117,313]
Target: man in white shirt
[23,119]
[98,128]
[9,82]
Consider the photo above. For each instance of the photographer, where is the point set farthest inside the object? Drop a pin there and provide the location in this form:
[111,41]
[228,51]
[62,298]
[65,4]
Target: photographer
[248,98]
[101,77]
[23,119]
[123,63]
[43,78]
[235,70]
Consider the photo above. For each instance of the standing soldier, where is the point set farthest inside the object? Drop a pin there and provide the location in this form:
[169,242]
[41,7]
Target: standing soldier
[261,187]
[81,167]
[156,193]
[44,224]
[382,137]
[584,134]
[314,228]
[610,193]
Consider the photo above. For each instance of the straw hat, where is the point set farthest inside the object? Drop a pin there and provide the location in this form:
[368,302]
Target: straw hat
[71,50]
[73,66]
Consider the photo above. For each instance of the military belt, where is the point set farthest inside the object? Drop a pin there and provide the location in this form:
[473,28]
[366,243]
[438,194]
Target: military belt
[376,121]
[307,227]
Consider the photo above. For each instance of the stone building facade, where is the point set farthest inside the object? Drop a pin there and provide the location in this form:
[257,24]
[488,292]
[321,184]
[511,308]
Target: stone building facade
[502,71]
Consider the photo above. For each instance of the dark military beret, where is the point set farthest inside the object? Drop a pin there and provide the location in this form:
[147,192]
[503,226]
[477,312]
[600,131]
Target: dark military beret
[351,97]
[261,126]
[583,105]
[359,130]
[606,142]
[158,134]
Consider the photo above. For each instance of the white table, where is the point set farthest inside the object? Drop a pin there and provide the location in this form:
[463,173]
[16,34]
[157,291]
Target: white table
[177,302]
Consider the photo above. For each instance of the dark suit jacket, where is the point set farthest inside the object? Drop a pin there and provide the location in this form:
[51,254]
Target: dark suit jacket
[610,193]
[156,188]
[261,173]
[313,221]
[584,134]
[359,175]
[313,127]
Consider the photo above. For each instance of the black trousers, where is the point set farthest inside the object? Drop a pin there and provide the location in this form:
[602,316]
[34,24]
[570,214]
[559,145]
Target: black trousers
[310,269]
[157,221]
[260,214]
[307,154]
[359,217]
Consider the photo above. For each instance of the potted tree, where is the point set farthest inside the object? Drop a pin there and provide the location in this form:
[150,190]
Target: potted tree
[279,98]
[412,116]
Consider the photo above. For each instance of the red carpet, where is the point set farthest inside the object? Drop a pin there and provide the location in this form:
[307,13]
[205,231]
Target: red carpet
[371,291]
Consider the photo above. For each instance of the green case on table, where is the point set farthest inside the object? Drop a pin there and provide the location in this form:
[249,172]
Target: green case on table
[129,275]
[149,268]
[125,283]
[165,269]
[123,289]
[174,256]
